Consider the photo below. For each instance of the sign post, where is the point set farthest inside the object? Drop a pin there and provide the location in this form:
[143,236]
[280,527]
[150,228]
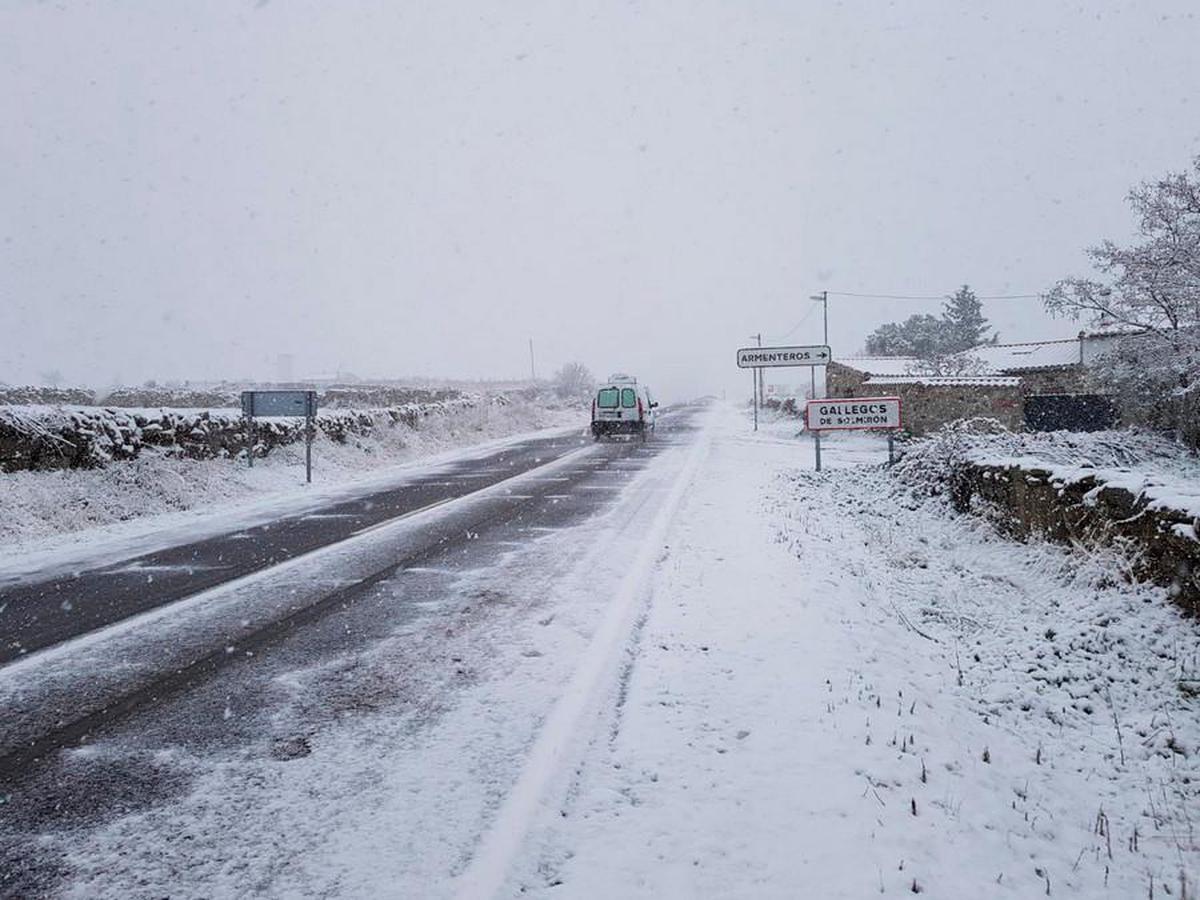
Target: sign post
[282,403]
[759,358]
[853,414]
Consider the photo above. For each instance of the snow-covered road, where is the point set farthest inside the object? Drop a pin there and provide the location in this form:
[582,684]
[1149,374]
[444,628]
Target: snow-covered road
[728,676]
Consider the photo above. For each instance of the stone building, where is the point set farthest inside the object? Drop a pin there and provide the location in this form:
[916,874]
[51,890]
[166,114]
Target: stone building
[997,380]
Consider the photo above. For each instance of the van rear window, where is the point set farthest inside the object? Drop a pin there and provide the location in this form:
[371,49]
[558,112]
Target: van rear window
[628,398]
[608,398]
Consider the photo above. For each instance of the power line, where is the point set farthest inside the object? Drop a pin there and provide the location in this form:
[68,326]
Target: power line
[934,296]
[796,327]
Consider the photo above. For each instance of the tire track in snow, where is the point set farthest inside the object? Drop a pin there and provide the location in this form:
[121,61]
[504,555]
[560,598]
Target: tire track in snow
[501,843]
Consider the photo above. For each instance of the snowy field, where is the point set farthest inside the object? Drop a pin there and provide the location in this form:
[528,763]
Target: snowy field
[744,679]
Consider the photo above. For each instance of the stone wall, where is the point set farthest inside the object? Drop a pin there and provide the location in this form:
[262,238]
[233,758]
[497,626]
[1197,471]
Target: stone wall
[45,395]
[926,407]
[843,381]
[1073,380]
[38,437]
[1163,544]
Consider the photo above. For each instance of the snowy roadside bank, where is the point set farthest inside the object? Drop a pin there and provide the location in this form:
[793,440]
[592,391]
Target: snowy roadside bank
[842,690]
[1117,490]
[47,515]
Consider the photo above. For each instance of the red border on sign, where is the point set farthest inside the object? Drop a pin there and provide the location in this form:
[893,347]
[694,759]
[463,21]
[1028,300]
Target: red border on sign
[899,410]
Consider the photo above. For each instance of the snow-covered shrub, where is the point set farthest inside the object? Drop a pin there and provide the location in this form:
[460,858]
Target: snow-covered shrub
[929,465]
[1154,381]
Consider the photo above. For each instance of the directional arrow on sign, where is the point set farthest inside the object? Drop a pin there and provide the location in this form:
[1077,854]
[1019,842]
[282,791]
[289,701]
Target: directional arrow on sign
[773,357]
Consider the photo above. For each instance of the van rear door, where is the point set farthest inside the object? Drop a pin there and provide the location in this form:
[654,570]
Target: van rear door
[608,404]
[617,403]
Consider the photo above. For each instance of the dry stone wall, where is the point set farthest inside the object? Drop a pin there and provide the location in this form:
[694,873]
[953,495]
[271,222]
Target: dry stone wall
[1163,544]
[44,437]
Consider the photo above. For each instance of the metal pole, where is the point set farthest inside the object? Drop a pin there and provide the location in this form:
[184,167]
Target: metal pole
[817,448]
[825,369]
[759,377]
[754,396]
[532,370]
[308,439]
[248,412]
[891,449]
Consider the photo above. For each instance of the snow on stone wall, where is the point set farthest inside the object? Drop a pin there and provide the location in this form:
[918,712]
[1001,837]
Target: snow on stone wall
[1129,490]
[59,437]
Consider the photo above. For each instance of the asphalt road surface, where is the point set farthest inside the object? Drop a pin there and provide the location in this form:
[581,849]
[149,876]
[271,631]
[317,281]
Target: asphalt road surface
[239,709]
[42,613]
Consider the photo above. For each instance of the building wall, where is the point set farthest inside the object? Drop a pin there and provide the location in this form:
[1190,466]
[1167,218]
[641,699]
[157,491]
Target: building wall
[1072,380]
[926,408]
[842,381]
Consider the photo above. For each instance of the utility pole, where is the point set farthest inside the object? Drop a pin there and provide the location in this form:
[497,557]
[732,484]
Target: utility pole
[823,297]
[756,383]
[532,370]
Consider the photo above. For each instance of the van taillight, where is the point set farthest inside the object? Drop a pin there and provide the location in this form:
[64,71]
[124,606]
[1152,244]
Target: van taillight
[639,407]
[593,409]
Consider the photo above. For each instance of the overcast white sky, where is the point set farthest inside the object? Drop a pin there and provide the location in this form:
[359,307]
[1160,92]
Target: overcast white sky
[189,190]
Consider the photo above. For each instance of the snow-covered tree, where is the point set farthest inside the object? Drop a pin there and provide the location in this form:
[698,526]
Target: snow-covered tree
[1151,289]
[1154,383]
[964,323]
[573,380]
[919,335]
[948,364]
[961,326]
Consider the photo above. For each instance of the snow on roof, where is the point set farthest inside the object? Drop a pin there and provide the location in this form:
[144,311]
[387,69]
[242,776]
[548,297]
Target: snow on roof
[948,380]
[997,359]
[1032,355]
[1112,330]
[880,365]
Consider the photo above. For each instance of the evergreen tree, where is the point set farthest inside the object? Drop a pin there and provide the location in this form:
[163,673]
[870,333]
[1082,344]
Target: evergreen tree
[961,326]
[964,321]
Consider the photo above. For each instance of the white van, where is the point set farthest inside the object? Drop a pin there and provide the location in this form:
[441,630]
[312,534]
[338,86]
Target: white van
[623,406]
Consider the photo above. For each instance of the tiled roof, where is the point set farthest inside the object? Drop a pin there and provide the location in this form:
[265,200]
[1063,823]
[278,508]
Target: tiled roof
[948,380]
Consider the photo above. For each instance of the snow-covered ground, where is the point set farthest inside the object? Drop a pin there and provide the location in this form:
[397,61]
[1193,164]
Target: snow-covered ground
[137,505]
[745,679]
[841,691]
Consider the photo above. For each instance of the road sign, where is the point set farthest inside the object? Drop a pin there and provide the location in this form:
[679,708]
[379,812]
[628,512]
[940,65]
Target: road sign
[279,403]
[282,403]
[848,413]
[770,357]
